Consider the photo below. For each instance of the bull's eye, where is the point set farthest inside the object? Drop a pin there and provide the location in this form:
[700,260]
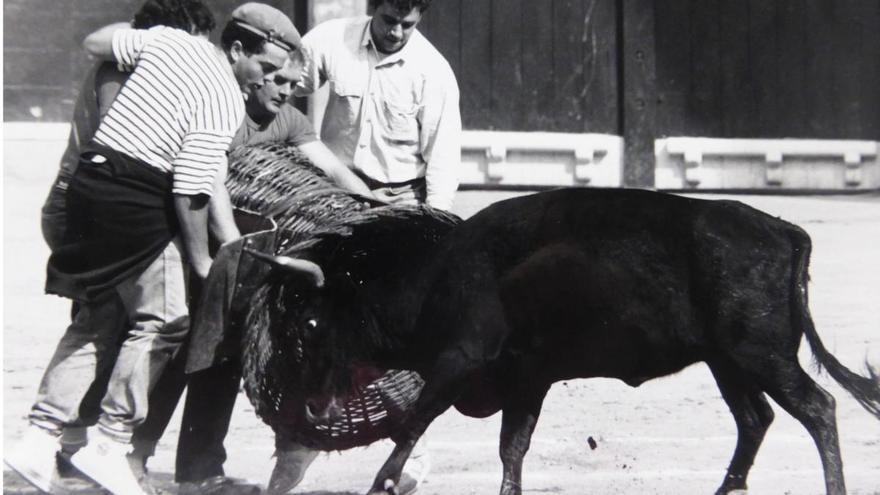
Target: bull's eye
[311,324]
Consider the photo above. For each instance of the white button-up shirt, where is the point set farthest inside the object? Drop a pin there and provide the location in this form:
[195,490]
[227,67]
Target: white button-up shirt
[394,118]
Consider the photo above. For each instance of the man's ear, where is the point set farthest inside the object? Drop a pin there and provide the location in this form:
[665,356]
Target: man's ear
[236,51]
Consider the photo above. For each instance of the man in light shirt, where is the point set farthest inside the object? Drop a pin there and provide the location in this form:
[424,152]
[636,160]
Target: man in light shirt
[393,113]
[393,117]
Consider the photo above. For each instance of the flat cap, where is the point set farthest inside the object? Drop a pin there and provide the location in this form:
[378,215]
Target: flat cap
[268,22]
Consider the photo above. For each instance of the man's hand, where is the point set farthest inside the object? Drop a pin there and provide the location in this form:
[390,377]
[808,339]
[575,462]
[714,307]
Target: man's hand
[192,212]
[324,159]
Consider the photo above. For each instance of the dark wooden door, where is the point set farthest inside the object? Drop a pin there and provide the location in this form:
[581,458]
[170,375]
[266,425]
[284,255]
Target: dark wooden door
[525,65]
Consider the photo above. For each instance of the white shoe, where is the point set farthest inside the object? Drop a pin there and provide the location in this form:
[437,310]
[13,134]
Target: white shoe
[34,459]
[106,461]
[290,468]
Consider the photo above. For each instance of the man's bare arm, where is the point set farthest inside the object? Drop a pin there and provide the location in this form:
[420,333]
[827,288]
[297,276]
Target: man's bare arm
[192,212]
[324,159]
[221,221]
[99,44]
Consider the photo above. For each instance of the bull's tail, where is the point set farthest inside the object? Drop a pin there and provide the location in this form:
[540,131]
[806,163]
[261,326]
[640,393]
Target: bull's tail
[866,390]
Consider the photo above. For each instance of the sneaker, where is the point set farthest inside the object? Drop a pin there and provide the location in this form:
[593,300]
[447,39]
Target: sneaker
[290,468]
[218,485]
[34,459]
[73,481]
[107,462]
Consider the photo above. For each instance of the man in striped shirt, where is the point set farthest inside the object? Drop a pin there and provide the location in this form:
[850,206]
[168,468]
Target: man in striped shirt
[136,204]
[212,390]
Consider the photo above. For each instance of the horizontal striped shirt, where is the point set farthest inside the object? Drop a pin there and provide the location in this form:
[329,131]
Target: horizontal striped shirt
[178,111]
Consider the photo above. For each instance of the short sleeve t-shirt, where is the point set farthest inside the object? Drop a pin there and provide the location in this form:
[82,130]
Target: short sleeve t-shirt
[289,125]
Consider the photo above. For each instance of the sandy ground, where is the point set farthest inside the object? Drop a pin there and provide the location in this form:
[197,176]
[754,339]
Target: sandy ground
[670,436]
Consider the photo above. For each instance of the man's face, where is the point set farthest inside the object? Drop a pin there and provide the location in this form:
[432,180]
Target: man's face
[253,70]
[391,28]
[266,101]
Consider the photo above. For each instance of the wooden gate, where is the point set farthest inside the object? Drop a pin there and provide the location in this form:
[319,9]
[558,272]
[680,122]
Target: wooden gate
[645,69]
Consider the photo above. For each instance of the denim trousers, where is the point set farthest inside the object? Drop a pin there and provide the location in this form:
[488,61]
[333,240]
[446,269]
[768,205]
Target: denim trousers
[207,411]
[148,315]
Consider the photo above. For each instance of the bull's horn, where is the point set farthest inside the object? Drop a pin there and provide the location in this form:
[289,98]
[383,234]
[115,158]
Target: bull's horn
[293,265]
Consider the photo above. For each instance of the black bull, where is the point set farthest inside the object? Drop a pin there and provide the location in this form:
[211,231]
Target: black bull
[570,284]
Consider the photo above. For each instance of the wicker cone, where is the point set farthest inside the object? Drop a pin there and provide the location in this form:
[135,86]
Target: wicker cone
[277,180]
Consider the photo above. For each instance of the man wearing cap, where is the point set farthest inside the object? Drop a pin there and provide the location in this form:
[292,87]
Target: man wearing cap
[212,392]
[137,214]
[392,113]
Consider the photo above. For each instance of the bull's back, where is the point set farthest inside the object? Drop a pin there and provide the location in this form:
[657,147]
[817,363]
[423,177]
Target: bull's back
[624,283]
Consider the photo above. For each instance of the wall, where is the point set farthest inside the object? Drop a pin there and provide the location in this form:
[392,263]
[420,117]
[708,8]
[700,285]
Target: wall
[43,62]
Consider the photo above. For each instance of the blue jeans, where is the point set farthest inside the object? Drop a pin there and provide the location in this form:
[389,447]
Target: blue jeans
[151,310]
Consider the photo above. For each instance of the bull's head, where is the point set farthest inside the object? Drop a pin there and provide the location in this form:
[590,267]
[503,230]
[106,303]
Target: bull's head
[313,321]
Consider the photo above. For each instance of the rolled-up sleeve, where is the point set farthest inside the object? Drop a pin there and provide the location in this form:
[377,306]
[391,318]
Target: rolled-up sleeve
[204,147]
[201,155]
[441,140]
[310,79]
[127,45]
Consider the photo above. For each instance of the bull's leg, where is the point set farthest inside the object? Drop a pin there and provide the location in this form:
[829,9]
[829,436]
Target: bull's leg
[803,398]
[443,385]
[519,417]
[753,416]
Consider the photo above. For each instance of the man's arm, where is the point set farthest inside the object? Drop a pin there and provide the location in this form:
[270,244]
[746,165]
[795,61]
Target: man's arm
[221,221]
[192,212]
[324,159]
[312,76]
[99,44]
[108,84]
[440,141]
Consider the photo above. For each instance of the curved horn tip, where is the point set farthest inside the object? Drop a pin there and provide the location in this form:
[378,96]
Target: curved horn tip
[292,265]
[302,267]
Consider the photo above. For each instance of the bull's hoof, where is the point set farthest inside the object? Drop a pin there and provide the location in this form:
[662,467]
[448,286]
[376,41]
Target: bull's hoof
[733,484]
[406,486]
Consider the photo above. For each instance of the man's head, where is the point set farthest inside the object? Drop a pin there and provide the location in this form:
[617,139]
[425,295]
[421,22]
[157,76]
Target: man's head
[264,103]
[189,15]
[394,22]
[257,40]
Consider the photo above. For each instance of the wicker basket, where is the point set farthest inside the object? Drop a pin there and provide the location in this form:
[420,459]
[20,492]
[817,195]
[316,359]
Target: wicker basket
[276,180]
[370,414]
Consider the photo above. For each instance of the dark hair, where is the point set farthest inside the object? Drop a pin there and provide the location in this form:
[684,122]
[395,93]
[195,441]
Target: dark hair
[189,15]
[251,42]
[403,5]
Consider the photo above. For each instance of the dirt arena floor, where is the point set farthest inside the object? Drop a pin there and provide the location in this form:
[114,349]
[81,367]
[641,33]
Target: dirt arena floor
[670,436]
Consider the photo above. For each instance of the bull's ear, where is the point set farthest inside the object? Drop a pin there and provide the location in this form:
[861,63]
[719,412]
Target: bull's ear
[292,265]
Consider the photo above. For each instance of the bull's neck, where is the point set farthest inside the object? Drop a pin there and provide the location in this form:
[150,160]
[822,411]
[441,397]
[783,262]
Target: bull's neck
[397,302]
